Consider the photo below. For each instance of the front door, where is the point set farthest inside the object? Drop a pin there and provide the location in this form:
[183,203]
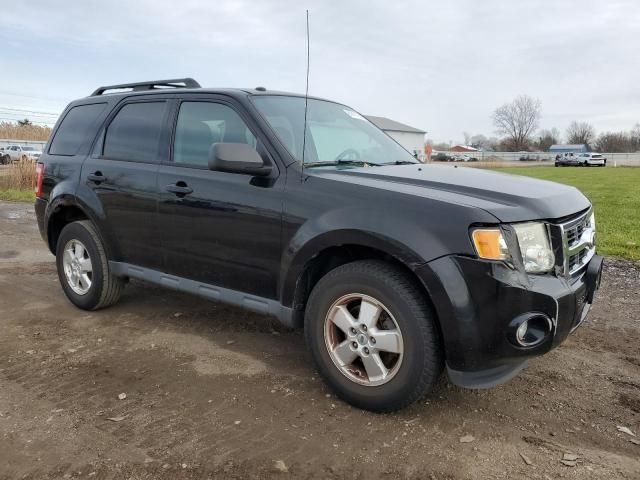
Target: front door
[216,227]
[122,172]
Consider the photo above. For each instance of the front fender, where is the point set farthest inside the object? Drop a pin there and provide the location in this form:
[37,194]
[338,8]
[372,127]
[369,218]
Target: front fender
[407,241]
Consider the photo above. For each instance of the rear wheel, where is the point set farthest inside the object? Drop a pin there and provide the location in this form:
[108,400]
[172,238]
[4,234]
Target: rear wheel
[373,336]
[83,268]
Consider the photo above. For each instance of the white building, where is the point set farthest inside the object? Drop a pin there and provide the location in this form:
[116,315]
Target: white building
[412,139]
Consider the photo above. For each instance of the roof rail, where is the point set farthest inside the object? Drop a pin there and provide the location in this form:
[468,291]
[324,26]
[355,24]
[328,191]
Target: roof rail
[151,85]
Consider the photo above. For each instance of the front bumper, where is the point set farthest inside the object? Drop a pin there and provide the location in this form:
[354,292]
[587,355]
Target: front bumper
[476,300]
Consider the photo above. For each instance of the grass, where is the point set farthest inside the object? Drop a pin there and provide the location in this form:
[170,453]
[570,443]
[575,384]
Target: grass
[17,182]
[15,195]
[615,195]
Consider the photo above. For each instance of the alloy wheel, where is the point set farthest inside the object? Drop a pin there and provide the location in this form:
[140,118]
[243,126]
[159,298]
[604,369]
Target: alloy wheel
[78,270]
[363,339]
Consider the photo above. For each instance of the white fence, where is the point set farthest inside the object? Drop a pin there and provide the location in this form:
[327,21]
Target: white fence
[618,159]
[5,142]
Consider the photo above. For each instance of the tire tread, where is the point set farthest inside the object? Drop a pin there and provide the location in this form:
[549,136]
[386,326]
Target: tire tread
[112,286]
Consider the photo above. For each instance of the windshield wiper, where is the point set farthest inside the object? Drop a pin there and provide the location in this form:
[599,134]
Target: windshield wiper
[401,162]
[361,163]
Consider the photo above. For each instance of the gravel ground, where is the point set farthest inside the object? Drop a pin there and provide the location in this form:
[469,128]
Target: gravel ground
[216,392]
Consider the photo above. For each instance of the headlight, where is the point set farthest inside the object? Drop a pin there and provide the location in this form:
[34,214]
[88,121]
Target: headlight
[537,255]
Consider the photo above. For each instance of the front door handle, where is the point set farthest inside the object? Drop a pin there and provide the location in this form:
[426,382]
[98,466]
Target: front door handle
[180,189]
[96,177]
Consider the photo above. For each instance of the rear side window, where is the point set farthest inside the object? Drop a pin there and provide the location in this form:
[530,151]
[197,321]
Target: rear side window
[75,127]
[134,133]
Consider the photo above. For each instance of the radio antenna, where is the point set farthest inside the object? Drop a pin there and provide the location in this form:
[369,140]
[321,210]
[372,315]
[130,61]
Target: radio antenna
[306,104]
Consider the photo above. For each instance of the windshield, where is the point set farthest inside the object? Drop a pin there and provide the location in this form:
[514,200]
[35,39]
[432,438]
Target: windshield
[335,133]
[28,149]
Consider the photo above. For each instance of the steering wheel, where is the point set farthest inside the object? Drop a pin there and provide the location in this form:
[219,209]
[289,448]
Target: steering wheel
[347,152]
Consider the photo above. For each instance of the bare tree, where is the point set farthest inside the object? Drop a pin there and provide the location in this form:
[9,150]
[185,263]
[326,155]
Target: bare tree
[619,142]
[546,138]
[635,137]
[581,132]
[518,120]
[442,146]
[467,138]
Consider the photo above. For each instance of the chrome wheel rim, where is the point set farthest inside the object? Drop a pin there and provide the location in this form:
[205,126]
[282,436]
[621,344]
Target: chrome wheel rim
[363,339]
[78,270]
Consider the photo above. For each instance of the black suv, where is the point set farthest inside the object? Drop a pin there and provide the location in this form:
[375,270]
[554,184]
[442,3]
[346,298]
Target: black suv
[301,208]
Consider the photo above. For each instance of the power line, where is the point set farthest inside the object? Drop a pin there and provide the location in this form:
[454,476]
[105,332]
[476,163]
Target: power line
[15,120]
[33,112]
[35,118]
[33,96]
[21,116]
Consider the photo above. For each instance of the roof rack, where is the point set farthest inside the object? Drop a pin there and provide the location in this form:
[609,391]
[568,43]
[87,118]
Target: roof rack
[152,85]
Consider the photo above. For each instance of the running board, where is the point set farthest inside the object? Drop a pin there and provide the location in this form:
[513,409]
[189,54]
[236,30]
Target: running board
[247,301]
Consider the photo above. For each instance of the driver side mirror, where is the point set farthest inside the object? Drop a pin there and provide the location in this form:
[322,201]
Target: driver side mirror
[237,158]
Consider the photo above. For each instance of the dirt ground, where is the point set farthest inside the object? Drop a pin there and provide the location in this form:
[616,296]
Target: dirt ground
[215,392]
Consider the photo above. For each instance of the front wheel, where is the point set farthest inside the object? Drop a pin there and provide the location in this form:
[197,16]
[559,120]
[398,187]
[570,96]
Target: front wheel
[83,268]
[373,336]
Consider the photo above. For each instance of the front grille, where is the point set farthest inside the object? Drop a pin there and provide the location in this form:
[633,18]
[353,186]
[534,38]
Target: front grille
[577,243]
[574,233]
[576,260]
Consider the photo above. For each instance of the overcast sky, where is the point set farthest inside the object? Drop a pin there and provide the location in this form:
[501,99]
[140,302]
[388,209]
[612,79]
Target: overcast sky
[439,66]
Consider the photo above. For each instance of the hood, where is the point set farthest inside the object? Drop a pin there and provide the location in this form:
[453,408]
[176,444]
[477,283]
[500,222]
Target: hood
[510,198]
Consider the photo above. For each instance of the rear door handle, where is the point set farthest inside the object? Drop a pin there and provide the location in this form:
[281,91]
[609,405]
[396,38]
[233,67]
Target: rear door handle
[180,189]
[96,177]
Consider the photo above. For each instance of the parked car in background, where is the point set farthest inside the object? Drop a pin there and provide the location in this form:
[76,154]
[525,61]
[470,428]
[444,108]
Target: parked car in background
[464,157]
[4,156]
[567,159]
[585,159]
[592,159]
[19,152]
[441,157]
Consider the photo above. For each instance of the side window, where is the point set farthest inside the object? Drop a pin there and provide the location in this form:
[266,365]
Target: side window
[74,128]
[134,133]
[200,125]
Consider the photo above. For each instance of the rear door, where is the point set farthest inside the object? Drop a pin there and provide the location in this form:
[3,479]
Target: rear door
[225,229]
[122,173]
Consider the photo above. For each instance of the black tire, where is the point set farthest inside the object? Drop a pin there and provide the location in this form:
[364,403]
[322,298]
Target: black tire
[422,362]
[557,164]
[105,287]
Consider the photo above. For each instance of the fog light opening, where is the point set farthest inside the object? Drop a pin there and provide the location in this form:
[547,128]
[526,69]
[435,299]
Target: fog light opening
[530,329]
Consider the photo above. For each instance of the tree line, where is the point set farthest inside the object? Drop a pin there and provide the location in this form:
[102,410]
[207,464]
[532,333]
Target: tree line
[518,121]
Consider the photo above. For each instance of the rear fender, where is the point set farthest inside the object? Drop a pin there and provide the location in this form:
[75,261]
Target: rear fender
[86,201]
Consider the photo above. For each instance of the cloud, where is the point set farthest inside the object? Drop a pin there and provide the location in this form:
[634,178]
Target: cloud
[440,66]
